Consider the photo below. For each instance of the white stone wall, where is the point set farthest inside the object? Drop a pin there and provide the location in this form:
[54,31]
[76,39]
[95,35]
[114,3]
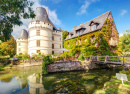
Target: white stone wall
[46,32]
[22,44]
[45,38]
[57,41]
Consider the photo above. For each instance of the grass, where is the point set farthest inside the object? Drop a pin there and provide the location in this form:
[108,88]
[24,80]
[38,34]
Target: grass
[115,86]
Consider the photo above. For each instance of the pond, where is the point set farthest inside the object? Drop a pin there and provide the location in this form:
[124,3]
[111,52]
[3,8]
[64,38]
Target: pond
[30,80]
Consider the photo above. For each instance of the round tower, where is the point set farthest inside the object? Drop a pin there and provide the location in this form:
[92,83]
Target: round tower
[40,33]
[22,42]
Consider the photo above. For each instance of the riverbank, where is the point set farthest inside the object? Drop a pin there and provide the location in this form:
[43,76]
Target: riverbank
[114,86]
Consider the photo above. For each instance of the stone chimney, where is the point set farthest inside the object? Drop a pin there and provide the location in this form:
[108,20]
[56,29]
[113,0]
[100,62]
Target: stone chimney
[47,10]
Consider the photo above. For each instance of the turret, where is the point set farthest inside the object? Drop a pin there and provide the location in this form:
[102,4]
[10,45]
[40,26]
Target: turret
[22,42]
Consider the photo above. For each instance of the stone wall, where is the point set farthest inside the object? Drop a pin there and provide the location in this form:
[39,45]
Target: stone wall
[27,62]
[22,63]
[70,66]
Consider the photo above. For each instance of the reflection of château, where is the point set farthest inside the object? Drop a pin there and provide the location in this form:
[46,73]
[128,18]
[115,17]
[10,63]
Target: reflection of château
[21,82]
[35,84]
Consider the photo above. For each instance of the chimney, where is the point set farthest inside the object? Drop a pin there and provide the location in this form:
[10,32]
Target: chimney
[47,11]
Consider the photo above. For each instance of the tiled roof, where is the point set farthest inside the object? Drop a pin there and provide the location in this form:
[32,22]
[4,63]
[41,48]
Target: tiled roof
[100,19]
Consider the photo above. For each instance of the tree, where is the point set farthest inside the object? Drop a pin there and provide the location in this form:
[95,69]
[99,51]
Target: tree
[64,34]
[9,47]
[124,41]
[11,12]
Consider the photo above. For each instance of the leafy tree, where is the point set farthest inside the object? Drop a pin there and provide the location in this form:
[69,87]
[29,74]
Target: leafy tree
[64,34]
[124,41]
[11,11]
[9,47]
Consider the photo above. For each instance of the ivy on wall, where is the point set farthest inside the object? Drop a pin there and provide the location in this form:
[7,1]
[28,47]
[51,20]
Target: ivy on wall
[95,43]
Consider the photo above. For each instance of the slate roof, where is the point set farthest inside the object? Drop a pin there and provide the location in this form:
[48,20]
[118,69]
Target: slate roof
[100,20]
[41,15]
[23,34]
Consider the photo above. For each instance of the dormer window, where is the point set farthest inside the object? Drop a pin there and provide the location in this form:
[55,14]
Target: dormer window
[93,25]
[71,35]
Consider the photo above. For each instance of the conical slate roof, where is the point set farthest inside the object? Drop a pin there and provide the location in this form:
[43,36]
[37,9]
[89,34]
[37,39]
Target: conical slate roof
[41,15]
[23,34]
[59,29]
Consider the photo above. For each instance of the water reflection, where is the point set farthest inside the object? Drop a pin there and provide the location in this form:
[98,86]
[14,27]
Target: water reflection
[35,84]
[31,81]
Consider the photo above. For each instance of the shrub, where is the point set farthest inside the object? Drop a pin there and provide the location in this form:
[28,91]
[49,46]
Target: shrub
[46,61]
[1,67]
[81,57]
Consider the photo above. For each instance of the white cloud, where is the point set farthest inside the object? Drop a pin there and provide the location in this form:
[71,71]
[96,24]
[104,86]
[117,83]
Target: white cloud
[83,8]
[123,12]
[52,15]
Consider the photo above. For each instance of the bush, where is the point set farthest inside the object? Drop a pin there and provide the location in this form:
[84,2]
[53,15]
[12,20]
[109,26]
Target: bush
[46,61]
[81,57]
[1,67]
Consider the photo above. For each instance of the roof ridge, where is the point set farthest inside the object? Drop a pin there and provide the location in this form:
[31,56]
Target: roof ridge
[97,16]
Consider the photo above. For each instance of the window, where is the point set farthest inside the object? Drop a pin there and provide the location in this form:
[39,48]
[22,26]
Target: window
[38,43]
[19,49]
[19,44]
[60,39]
[52,46]
[52,52]
[52,37]
[38,51]
[37,90]
[94,27]
[60,45]
[92,39]
[38,33]
[77,33]
[71,35]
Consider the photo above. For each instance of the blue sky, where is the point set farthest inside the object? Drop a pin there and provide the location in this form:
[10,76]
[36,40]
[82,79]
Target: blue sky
[69,13]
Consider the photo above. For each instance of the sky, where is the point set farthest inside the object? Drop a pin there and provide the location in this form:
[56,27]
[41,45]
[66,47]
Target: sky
[69,13]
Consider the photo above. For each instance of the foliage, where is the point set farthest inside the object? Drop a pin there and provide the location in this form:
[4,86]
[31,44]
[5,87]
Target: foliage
[84,45]
[81,57]
[1,67]
[46,61]
[11,12]
[124,41]
[64,35]
[9,47]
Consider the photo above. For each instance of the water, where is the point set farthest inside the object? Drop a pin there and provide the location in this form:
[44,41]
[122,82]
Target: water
[31,81]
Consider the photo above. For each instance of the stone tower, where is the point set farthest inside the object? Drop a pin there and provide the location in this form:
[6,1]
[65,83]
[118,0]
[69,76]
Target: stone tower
[22,42]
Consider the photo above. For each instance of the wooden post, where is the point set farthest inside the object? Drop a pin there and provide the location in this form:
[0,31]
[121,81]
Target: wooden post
[123,60]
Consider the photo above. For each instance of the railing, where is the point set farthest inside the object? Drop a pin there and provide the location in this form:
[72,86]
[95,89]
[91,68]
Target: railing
[111,59]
